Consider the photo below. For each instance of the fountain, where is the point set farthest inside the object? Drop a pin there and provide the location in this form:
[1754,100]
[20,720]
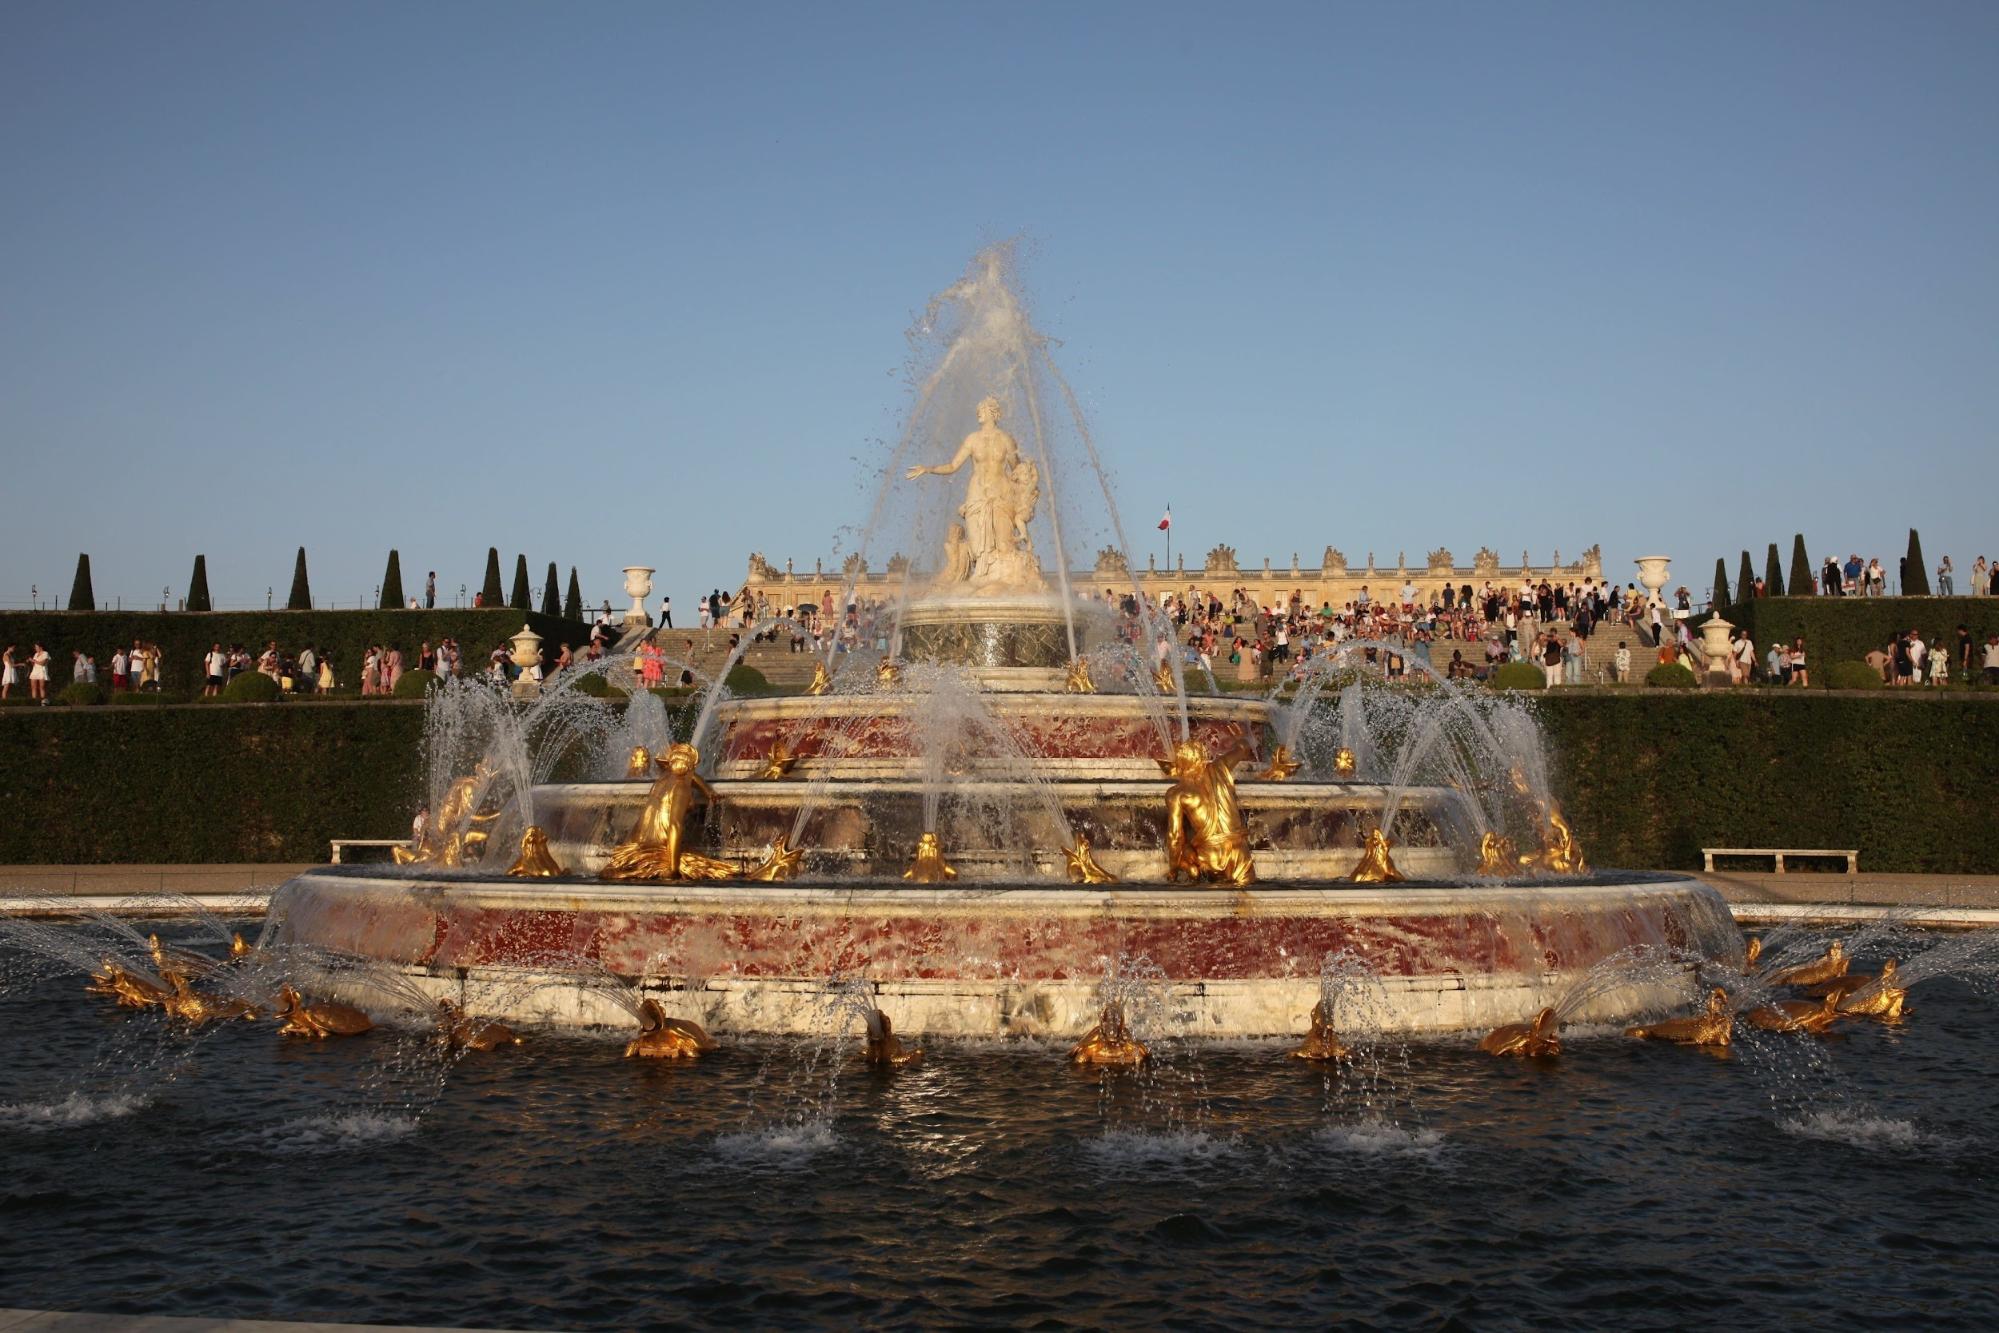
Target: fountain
[1009,792]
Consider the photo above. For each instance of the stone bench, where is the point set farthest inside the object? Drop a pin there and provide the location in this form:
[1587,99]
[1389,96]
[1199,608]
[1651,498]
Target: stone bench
[340,845]
[1779,853]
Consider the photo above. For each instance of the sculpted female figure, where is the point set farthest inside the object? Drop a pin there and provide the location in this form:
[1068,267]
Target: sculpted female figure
[999,502]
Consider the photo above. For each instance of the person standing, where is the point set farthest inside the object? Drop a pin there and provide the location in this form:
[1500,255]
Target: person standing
[666,611]
[38,675]
[1744,658]
[1799,675]
[1978,577]
[307,680]
[1946,579]
[430,591]
[120,670]
[1620,665]
[392,670]
[1551,659]
[212,667]
[1991,658]
[10,675]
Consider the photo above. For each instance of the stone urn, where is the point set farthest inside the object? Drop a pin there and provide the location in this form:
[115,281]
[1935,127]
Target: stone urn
[638,587]
[526,654]
[1714,642]
[1653,572]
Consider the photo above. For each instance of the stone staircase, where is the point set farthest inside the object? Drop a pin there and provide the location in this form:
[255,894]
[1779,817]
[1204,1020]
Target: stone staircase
[1599,651]
[783,668]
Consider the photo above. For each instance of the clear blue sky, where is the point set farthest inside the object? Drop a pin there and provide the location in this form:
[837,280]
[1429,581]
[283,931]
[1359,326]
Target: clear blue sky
[628,283]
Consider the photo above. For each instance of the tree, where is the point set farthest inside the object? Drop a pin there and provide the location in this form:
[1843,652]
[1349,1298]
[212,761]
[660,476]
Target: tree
[551,595]
[81,598]
[1720,584]
[572,605]
[1802,581]
[197,586]
[1915,574]
[1745,582]
[522,600]
[392,583]
[301,595]
[489,591]
[1773,574]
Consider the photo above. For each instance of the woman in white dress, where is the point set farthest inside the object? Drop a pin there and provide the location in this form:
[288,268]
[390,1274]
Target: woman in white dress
[10,675]
[38,675]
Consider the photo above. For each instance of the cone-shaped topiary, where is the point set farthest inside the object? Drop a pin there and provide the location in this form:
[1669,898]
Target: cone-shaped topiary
[301,595]
[1720,584]
[1915,574]
[489,591]
[1802,583]
[197,586]
[572,605]
[1773,574]
[1745,581]
[392,583]
[551,596]
[522,600]
[81,597]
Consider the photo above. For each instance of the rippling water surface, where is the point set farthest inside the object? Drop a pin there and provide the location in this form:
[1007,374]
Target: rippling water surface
[232,1173]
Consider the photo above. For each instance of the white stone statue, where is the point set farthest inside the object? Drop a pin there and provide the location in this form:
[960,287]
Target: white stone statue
[991,550]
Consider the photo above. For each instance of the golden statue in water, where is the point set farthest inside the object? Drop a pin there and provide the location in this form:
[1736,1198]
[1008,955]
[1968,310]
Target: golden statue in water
[1828,966]
[822,680]
[1497,856]
[778,763]
[1751,951]
[1560,853]
[1110,1042]
[654,849]
[463,1033]
[928,866]
[780,864]
[1083,867]
[1344,763]
[1206,838]
[1376,866]
[663,1038]
[237,947]
[888,673]
[1282,765]
[186,961]
[638,766]
[456,835]
[192,1006]
[535,860]
[1713,1027]
[1321,1043]
[885,1048]
[1162,679]
[318,1020]
[128,988]
[1539,1039]
[1879,998]
[1795,1015]
[1078,680]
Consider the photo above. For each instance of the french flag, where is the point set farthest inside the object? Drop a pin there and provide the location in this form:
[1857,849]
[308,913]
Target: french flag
[1166,522]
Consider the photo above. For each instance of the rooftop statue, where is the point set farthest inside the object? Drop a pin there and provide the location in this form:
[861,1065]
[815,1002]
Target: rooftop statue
[991,550]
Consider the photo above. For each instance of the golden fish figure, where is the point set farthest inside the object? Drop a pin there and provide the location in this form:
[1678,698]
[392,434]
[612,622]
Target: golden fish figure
[778,763]
[1162,679]
[1083,867]
[457,836]
[1497,856]
[1879,998]
[655,848]
[638,764]
[1712,1027]
[1321,1042]
[1376,866]
[663,1038]
[780,864]
[320,1019]
[129,989]
[888,673]
[1828,966]
[463,1033]
[822,680]
[535,860]
[194,1007]
[928,865]
[884,1048]
[1206,837]
[1344,762]
[186,961]
[1110,1042]
[1078,680]
[1542,1038]
[1795,1015]
[1282,765]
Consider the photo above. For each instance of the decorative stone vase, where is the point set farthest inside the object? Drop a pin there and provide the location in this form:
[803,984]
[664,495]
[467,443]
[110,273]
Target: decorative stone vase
[638,587]
[526,654]
[1653,572]
[1714,642]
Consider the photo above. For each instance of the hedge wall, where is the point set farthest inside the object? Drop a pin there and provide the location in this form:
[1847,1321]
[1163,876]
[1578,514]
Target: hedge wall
[1846,629]
[184,636]
[1648,779]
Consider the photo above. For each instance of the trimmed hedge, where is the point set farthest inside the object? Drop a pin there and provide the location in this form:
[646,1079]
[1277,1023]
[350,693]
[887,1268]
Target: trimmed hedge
[184,636]
[1854,676]
[1671,676]
[1846,629]
[1518,676]
[414,684]
[252,687]
[83,694]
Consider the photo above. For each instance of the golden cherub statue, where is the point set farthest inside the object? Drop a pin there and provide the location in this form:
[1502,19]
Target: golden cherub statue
[1162,679]
[456,835]
[1376,866]
[1079,680]
[654,850]
[535,860]
[1110,1042]
[780,864]
[663,1038]
[1343,762]
[638,765]
[1542,1037]
[1206,838]
[1321,1043]
[1083,867]
[1713,1027]
[822,680]
[928,866]
[1282,765]
[1497,856]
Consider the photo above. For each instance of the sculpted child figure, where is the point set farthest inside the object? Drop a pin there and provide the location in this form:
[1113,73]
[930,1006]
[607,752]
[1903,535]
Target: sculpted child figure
[655,848]
[1205,835]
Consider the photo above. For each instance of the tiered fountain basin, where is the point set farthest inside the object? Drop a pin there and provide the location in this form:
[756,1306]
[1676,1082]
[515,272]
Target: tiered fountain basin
[998,960]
